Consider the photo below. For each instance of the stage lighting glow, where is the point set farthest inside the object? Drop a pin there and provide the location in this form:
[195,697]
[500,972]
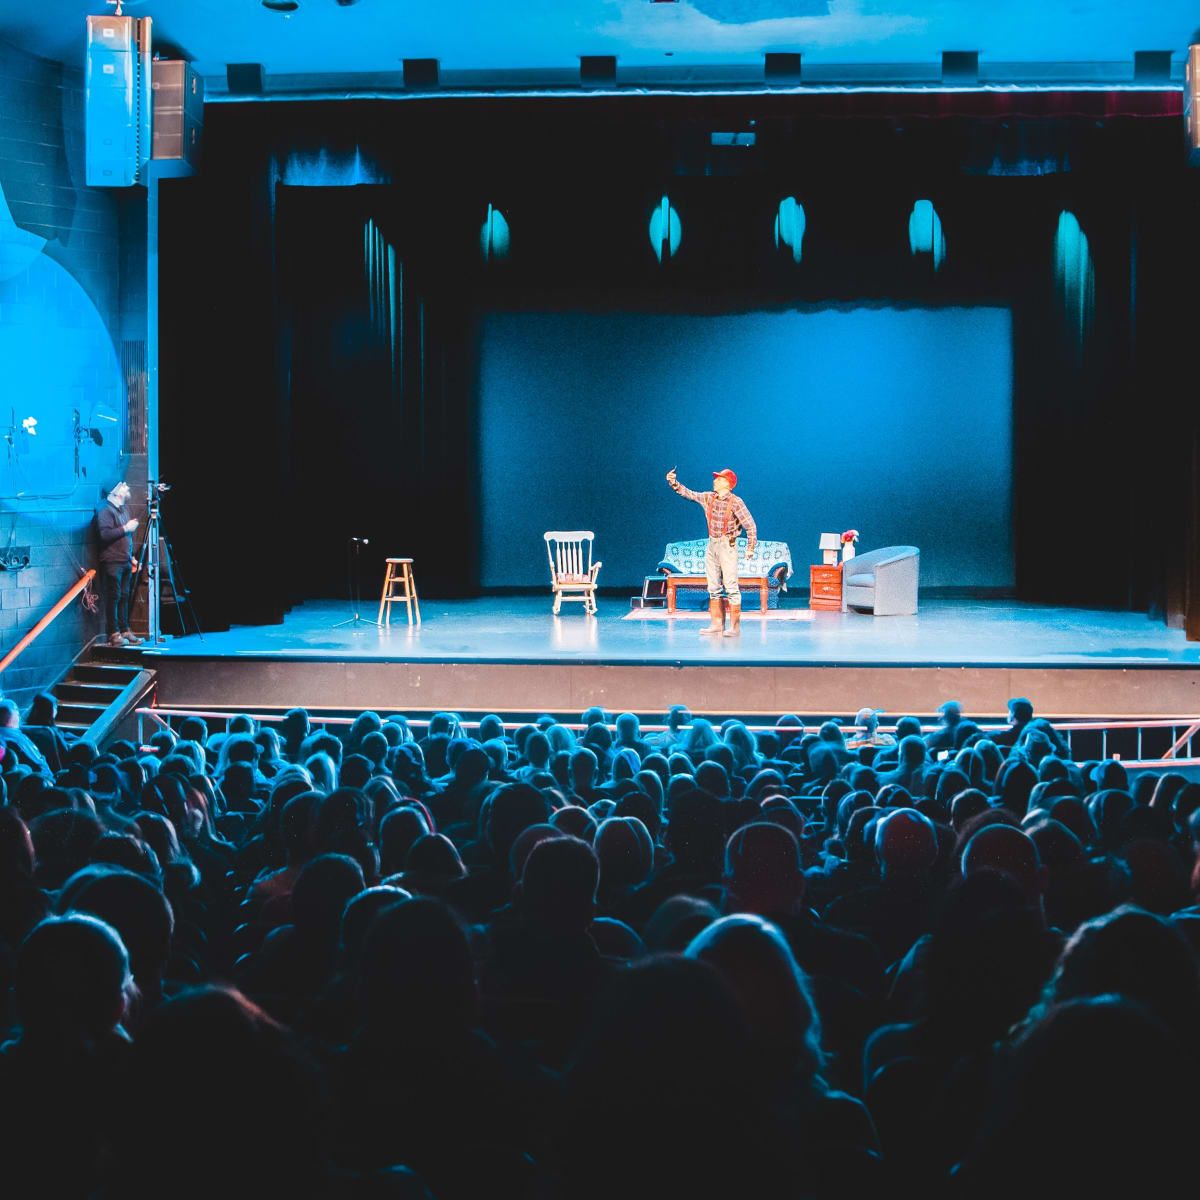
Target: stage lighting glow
[925,234]
[493,237]
[665,230]
[1074,274]
[790,224]
[330,168]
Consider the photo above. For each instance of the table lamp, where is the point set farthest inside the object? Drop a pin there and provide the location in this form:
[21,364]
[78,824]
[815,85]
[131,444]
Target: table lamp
[830,544]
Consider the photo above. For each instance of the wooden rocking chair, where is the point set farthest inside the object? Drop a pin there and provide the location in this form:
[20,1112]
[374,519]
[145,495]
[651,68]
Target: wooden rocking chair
[572,572]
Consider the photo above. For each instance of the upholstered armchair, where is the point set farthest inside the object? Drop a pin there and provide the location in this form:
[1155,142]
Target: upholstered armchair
[885,581]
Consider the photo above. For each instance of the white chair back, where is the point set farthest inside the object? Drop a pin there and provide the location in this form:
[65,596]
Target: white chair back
[569,552]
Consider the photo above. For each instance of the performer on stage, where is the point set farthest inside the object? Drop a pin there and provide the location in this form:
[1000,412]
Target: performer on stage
[727,515]
[114,527]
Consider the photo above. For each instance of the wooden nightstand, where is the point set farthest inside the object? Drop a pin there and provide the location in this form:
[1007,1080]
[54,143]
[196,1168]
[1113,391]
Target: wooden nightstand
[825,587]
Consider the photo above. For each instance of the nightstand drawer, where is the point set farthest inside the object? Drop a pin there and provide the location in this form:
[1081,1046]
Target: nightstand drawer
[831,590]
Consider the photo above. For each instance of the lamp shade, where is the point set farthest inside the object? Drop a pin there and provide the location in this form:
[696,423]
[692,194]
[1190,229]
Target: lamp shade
[830,541]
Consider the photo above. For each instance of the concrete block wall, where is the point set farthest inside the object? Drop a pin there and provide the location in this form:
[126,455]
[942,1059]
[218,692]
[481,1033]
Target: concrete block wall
[62,322]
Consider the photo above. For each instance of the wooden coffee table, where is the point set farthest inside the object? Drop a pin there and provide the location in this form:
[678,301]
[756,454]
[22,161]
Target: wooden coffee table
[744,582]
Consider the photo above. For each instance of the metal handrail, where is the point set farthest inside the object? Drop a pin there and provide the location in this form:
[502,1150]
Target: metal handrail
[1193,727]
[38,629]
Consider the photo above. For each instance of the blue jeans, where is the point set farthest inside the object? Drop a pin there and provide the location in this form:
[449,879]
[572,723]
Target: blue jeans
[721,571]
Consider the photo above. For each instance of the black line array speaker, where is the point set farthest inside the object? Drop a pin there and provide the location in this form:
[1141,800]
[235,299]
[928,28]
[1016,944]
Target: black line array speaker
[178,111]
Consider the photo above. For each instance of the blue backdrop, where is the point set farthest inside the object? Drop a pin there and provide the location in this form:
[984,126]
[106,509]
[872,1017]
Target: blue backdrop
[896,422]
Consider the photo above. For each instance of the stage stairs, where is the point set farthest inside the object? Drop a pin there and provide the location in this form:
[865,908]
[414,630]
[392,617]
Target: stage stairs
[102,688]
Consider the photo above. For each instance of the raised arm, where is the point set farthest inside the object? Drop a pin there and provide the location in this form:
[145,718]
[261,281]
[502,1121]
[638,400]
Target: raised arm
[680,490]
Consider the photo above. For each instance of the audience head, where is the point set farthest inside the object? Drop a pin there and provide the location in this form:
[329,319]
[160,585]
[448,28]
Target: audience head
[1010,852]
[624,850]
[763,870]
[906,844]
[73,982]
[558,885]
[416,976]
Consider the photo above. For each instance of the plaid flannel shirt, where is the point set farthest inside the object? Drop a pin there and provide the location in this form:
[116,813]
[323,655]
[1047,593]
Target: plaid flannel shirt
[727,515]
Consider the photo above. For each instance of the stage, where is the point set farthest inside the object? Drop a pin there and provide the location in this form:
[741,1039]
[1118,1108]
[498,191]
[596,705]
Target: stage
[511,655]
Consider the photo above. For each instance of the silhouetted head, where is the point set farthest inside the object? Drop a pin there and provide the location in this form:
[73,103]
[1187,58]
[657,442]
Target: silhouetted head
[511,809]
[772,990]
[625,851]
[763,870]
[416,975]
[1010,852]
[72,980]
[323,889]
[397,833]
[906,844]
[135,908]
[558,884]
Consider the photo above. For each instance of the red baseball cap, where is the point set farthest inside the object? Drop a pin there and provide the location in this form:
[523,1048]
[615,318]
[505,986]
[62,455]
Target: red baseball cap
[727,474]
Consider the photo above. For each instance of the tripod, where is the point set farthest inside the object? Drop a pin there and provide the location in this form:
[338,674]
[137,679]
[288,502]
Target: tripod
[155,555]
[354,586]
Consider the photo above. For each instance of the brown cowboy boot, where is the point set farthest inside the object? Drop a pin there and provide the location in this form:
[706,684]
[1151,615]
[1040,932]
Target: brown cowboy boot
[716,619]
[735,620]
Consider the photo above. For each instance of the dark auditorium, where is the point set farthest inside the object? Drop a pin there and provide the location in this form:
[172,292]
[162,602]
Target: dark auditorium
[599,599]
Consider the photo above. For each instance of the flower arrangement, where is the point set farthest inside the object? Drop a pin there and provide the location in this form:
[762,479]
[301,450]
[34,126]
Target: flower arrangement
[849,537]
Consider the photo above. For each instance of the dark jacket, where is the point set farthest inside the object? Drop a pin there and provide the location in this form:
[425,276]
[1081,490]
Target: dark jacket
[116,546]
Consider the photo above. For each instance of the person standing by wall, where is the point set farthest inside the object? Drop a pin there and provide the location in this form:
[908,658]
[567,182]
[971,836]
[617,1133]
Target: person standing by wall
[114,527]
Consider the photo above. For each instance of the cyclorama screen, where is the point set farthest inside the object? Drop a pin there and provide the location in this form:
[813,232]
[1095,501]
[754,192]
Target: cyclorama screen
[893,421]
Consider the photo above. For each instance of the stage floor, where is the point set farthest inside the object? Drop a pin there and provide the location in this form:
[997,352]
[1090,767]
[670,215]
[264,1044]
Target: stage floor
[521,629]
[510,655]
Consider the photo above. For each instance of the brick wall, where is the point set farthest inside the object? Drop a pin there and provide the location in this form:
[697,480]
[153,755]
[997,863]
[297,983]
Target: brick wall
[63,319]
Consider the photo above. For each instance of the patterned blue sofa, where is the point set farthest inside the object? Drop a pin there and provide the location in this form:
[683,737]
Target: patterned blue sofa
[772,559]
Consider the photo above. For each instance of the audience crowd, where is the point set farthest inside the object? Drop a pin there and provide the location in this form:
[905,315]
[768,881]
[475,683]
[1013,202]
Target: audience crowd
[441,962]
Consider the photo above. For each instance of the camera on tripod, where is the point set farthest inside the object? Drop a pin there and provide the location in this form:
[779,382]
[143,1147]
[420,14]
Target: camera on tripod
[156,489]
[157,566]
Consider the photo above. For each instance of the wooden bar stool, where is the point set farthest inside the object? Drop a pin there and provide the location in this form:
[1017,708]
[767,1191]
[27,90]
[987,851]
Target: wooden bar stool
[399,585]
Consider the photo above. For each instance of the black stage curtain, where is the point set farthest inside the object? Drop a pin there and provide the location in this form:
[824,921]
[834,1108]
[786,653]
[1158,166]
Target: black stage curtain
[298,412]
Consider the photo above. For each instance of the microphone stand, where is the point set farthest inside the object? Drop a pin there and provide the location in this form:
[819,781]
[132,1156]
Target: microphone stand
[353,546]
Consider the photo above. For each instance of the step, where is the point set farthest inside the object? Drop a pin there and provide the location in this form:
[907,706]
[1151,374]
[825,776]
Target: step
[113,674]
[113,655]
[77,690]
[76,727]
[74,713]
